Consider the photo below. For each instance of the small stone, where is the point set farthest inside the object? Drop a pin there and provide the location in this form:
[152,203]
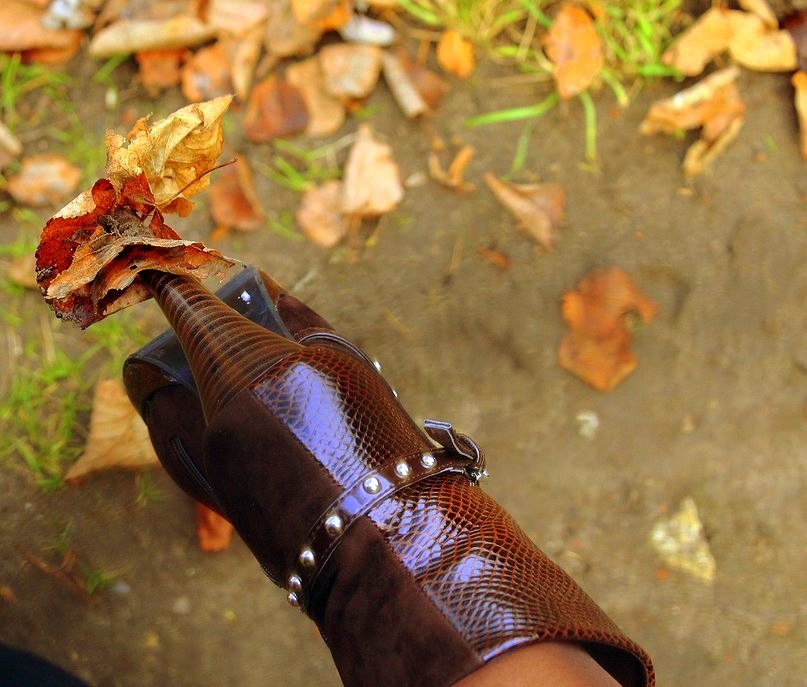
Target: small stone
[182,606]
[120,588]
[151,640]
[588,424]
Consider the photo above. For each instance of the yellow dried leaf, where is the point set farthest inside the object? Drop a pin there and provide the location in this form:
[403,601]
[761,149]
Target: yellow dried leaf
[755,46]
[134,35]
[118,437]
[709,36]
[763,10]
[176,153]
[372,182]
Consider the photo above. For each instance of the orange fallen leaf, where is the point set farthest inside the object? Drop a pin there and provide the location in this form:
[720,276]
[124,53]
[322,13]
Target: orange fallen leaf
[275,109]
[454,177]
[575,49]
[455,54]
[21,28]
[538,208]
[320,215]
[233,201]
[43,179]
[118,438]
[495,257]
[800,84]
[326,113]
[372,182]
[350,71]
[213,531]
[55,56]
[207,74]
[322,14]
[285,36]
[160,69]
[714,103]
[597,346]
[708,36]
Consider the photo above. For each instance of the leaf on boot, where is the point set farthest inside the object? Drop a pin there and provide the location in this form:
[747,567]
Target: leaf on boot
[43,179]
[234,203]
[320,215]
[213,531]
[91,252]
[118,437]
[597,346]
[575,48]
[175,153]
[538,208]
[372,183]
[455,54]
[276,109]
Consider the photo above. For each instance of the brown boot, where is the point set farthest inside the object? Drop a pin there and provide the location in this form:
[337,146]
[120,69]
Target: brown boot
[383,537]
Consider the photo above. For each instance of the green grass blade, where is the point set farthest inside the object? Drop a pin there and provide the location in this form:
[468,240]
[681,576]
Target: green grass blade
[515,114]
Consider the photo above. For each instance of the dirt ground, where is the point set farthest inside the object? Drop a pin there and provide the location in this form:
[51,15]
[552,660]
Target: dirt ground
[715,410]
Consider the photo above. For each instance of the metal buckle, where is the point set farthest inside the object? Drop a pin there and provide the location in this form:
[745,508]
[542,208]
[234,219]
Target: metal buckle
[459,444]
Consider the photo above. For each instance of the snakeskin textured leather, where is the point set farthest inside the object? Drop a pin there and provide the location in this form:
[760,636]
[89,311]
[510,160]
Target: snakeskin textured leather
[465,556]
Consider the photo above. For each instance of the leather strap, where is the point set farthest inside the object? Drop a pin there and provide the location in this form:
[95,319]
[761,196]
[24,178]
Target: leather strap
[360,497]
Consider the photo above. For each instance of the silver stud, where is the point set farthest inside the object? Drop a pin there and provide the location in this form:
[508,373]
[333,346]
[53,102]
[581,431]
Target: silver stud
[428,461]
[334,525]
[295,584]
[307,558]
[376,364]
[293,599]
[395,393]
[372,485]
[402,469]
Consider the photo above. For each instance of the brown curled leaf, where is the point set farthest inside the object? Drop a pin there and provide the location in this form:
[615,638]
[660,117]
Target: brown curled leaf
[234,203]
[276,109]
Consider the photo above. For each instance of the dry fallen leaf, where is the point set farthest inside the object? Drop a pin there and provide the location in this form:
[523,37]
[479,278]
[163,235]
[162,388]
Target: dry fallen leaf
[206,74]
[285,36]
[244,53]
[454,177]
[800,84]
[118,438]
[597,345]
[322,14]
[22,272]
[43,179]
[575,49]
[713,103]
[326,113]
[350,71]
[320,216]
[234,203]
[495,257]
[213,532]
[10,147]
[430,85]
[751,41]
[538,208]
[236,18]
[763,10]
[21,28]
[402,87]
[160,69]
[175,153]
[372,182]
[276,109]
[455,54]
[136,35]
[682,544]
